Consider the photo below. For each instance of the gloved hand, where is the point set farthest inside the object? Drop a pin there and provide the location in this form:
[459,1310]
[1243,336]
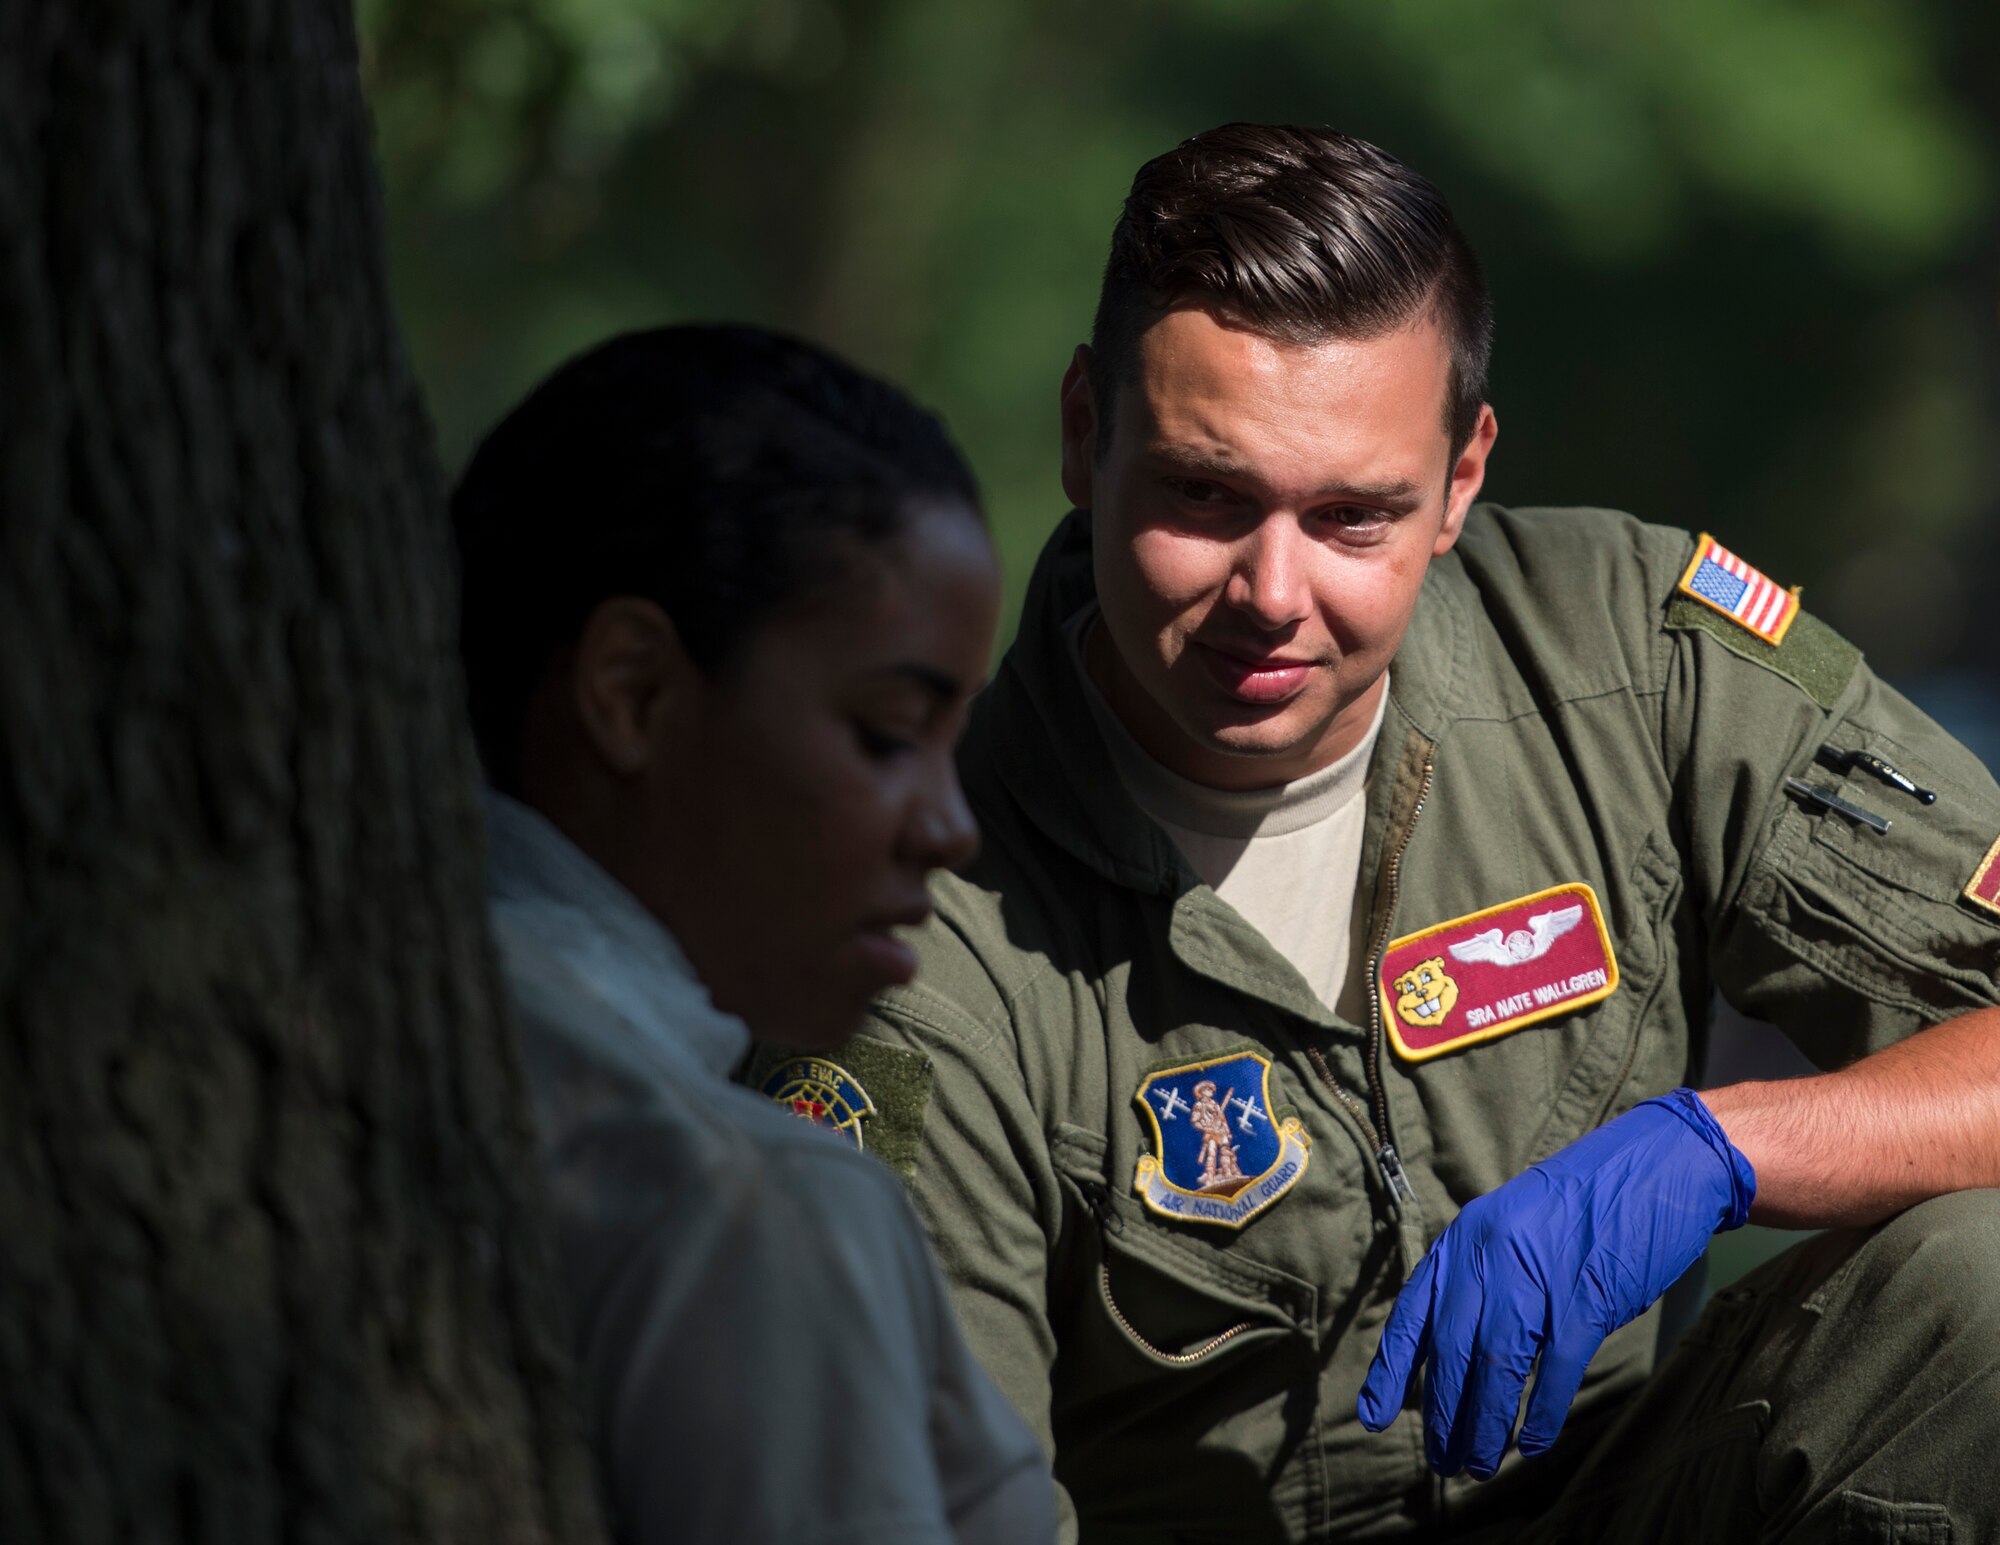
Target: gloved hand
[1553,1261]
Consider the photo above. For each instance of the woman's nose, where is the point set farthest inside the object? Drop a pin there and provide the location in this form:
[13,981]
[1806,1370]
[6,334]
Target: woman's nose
[943,832]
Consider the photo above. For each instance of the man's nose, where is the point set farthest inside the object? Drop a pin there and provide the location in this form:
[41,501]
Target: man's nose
[1269,582]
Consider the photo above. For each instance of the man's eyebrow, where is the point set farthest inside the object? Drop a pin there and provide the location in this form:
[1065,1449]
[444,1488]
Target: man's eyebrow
[1395,490]
[1200,463]
[1186,458]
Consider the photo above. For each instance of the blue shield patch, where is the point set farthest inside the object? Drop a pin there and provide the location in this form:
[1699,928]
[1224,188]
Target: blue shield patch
[1219,1155]
[821,1092]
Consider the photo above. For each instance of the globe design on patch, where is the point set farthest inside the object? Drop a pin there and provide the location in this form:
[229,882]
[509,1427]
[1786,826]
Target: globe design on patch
[820,1092]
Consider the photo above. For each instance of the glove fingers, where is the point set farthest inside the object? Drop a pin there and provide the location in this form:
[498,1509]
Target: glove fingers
[1455,1331]
[1495,1378]
[1563,1364]
[1405,1341]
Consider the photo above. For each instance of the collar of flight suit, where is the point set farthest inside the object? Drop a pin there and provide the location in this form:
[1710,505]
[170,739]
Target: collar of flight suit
[1037,734]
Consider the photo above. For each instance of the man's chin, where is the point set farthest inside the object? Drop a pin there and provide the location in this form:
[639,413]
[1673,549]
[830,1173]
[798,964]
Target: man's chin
[1271,749]
[1270,736]
[1293,736]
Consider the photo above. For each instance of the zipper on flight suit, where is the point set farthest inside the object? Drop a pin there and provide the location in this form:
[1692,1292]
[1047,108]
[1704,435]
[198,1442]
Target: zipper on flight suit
[1380,1135]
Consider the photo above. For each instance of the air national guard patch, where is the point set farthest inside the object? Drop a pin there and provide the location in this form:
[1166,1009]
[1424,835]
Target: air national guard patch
[1984,888]
[1481,976]
[1725,583]
[821,1092]
[1219,1156]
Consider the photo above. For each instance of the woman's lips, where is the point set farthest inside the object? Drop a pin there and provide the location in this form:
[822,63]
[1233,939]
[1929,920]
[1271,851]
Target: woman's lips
[1266,681]
[888,957]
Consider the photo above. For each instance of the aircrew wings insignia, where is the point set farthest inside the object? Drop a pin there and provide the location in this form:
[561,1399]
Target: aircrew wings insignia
[1522,945]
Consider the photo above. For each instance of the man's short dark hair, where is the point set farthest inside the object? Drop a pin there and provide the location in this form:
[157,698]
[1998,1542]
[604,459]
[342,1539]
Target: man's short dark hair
[1302,234]
[719,471]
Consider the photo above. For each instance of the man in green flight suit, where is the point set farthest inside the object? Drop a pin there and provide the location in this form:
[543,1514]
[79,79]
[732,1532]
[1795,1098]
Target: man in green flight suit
[1302,1051]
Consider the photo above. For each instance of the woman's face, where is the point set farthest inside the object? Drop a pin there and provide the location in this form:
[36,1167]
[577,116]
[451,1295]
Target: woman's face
[810,788]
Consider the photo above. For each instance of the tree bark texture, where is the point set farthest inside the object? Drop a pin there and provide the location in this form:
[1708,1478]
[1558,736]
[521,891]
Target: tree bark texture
[271,1266]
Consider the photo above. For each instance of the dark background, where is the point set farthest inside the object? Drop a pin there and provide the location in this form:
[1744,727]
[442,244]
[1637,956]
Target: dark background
[1744,252]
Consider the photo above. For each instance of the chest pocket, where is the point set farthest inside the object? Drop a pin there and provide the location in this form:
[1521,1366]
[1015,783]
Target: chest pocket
[1176,1304]
[1614,1059]
[1174,1352]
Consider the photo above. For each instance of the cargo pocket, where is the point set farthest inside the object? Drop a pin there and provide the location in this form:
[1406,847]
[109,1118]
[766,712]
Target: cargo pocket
[1701,1485]
[1866,1520]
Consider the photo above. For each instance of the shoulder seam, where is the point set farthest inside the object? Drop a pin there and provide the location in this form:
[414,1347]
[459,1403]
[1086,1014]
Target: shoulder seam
[934,1011]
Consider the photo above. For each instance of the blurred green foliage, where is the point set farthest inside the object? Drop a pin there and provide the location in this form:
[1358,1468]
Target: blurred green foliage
[1743,250]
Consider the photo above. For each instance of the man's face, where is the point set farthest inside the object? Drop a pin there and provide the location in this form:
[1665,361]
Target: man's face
[1263,518]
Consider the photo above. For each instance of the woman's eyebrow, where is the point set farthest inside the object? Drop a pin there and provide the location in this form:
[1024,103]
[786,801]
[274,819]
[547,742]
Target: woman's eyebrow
[940,684]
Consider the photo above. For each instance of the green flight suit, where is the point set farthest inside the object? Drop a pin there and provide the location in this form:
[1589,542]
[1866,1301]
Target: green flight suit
[1557,714]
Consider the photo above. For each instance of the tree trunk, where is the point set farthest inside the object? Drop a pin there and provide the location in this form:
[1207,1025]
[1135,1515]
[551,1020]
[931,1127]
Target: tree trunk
[271,1266]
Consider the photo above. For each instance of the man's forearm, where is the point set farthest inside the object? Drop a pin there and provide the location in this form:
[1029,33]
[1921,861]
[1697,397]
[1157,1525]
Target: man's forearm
[1913,1121]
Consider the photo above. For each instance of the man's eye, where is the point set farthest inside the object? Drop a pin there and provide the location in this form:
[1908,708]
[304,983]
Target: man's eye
[1197,490]
[1356,520]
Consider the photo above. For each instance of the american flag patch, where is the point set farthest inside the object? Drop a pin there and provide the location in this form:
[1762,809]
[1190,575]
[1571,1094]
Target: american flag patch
[1719,579]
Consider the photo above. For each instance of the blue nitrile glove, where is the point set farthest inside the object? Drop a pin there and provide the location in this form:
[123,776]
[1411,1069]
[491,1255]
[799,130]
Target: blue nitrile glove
[1552,1262]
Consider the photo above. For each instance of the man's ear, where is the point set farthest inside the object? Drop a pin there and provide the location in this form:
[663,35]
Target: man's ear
[1079,428]
[1468,472]
[629,676]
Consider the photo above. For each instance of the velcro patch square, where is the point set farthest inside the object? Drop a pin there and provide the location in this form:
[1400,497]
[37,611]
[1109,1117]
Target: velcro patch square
[1723,582]
[874,1096]
[1983,889]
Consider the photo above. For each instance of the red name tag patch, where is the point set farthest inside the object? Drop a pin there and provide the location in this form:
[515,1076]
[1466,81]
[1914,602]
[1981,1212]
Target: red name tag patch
[1984,889]
[1490,973]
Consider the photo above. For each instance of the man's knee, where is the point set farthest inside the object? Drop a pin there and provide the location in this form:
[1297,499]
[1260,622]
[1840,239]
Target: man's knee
[1945,1251]
[1916,1294]
[1893,1387]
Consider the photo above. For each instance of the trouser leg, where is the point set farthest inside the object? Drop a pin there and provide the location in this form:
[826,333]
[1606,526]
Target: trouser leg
[1847,1392]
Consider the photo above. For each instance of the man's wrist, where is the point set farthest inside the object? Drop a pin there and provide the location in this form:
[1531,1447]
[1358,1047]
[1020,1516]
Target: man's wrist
[1690,1108]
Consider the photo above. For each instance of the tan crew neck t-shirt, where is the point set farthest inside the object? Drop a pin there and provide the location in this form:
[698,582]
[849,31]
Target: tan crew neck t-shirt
[1288,858]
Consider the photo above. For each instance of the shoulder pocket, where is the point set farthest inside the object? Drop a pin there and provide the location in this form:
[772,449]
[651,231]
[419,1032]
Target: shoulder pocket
[1929,850]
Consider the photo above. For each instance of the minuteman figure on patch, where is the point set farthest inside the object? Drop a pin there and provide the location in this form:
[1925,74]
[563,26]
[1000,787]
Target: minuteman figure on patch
[1218,1149]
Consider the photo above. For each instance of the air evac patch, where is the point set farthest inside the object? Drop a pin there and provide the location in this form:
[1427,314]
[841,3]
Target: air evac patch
[1495,971]
[864,1090]
[822,1092]
[1983,889]
[1219,1155]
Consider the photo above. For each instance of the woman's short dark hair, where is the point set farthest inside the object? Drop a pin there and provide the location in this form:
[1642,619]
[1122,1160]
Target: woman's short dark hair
[1302,234]
[719,471]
